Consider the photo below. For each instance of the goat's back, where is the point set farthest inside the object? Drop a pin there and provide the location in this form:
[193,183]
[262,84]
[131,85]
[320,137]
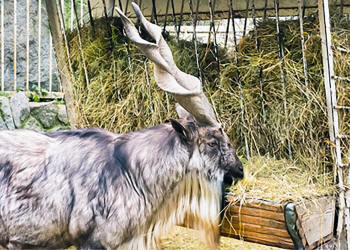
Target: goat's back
[48,183]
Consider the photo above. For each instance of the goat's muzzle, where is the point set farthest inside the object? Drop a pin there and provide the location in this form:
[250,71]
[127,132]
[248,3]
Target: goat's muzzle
[235,172]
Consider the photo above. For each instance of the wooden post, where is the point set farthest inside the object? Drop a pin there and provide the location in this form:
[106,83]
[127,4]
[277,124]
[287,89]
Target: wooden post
[331,99]
[52,12]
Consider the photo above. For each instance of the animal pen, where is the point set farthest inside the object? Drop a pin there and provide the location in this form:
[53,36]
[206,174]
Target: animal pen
[277,71]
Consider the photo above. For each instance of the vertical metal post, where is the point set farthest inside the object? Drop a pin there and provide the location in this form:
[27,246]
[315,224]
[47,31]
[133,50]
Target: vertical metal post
[50,64]
[246,17]
[194,38]
[239,79]
[331,99]
[302,40]
[14,45]
[66,45]
[265,9]
[257,47]
[174,19]
[227,28]
[81,45]
[2,46]
[27,43]
[39,43]
[90,17]
[71,14]
[212,27]
[81,12]
[166,15]
[181,17]
[154,11]
[281,56]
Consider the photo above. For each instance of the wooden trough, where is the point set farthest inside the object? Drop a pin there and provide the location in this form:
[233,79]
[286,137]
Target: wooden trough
[303,225]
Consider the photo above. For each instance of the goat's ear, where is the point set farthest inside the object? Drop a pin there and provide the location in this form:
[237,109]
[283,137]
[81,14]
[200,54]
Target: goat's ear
[182,131]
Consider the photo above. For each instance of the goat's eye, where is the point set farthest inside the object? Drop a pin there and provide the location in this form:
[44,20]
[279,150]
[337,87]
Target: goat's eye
[212,144]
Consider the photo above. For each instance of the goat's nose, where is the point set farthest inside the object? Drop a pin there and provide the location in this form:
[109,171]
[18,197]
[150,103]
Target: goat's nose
[240,167]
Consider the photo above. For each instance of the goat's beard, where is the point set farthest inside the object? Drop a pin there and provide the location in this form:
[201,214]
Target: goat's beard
[194,203]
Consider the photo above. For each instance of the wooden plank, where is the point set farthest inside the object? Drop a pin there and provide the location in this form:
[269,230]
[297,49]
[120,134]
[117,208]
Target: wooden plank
[261,238]
[256,220]
[315,220]
[269,205]
[247,227]
[257,212]
[285,245]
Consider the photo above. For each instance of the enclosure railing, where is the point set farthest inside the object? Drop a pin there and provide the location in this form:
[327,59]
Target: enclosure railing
[27,57]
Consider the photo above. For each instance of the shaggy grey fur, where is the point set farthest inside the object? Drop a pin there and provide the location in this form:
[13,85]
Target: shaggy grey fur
[99,190]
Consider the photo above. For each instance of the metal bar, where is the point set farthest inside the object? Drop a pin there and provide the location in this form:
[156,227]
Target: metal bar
[66,44]
[328,72]
[80,45]
[174,18]
[108,26]
[50,64]
[246,18]
[154,11]
[212,24]
[257,47]
[281,56]
[194,38]
[2,46]
[227,29]
[71,14]
[91,18]
[15,45]
[239,79]
[225,12]
[166,15]
[39,44]
[302,40]
[265,9]
[126,7]
[290,221]
[27,44]
[181,17]
[81,12]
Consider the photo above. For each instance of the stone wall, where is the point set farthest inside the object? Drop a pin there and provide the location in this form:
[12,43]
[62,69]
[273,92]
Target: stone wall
[21,47]
[16,112]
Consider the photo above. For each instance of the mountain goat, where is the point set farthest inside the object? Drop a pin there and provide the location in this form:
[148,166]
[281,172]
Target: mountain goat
[98,190]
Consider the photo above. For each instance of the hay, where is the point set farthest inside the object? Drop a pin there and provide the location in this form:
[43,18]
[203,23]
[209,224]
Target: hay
[123,98]
[281,180]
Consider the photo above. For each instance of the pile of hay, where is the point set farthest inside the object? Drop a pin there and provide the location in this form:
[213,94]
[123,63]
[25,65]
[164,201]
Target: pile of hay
[122,96]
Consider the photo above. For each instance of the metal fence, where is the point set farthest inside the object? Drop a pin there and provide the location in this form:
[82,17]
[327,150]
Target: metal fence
[27,56]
